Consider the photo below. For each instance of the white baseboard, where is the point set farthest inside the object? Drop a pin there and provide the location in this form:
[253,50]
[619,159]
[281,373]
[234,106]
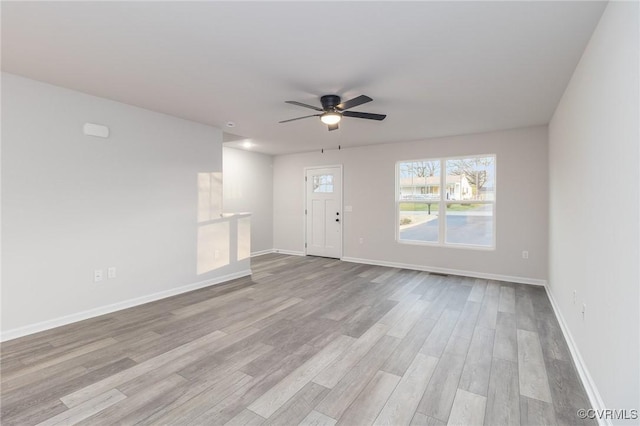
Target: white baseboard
[91,313]
[438,270]
[289,252]
[589,385]
[261,252]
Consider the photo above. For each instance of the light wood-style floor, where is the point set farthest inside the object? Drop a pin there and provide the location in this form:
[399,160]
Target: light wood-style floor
[309,341]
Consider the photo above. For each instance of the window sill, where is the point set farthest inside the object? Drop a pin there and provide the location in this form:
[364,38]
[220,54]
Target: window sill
[445,245]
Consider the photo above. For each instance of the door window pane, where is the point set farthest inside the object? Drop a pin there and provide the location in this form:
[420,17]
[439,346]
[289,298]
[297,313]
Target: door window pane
[323,183]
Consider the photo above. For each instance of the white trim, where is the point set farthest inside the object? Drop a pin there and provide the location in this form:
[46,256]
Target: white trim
[107,309]
[447,245]
[438,270]
[589,385]
[289,252]
[261,252]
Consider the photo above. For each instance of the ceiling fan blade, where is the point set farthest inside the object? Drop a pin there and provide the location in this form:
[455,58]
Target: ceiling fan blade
[299,118]
[333,127]
[367,115]
[304,105]
[362,99]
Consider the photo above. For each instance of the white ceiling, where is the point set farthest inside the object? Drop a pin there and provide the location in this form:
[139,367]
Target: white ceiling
[435,68]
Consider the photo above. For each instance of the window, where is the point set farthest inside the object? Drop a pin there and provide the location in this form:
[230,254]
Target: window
[460,190]
[323,183]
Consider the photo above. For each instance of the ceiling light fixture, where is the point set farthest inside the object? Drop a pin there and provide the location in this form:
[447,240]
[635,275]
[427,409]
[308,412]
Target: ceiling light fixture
[331,117]
[247,144]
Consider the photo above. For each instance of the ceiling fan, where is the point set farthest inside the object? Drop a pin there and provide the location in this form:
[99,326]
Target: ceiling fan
[333,110]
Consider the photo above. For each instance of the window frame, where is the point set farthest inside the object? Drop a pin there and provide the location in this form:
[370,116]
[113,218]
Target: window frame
[443,203]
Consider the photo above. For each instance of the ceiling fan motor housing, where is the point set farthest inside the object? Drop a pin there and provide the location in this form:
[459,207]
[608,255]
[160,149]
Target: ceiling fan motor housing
[330,102]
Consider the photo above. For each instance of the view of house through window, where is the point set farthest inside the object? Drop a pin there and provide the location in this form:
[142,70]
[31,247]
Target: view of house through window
[460,190]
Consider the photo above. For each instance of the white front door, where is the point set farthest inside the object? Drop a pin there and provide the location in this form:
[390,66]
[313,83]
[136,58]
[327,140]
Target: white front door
[324,211]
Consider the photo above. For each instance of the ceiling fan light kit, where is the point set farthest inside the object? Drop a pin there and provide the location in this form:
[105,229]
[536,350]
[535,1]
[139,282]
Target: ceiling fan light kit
[331,117]
[333,110]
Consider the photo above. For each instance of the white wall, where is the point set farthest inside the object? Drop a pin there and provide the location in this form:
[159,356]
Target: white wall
[74,203]
[594,182]
[248,187]
[369,187]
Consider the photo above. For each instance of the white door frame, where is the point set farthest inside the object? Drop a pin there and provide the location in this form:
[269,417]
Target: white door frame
[304,222]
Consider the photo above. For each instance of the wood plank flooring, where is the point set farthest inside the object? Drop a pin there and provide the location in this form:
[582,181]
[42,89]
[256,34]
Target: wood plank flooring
[309,341]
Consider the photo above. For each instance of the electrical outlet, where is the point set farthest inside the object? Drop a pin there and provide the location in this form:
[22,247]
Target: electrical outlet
[111,272]
[575,296]
[216,254]
[361,240]
[97,276]
[525,254]
[584,310]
